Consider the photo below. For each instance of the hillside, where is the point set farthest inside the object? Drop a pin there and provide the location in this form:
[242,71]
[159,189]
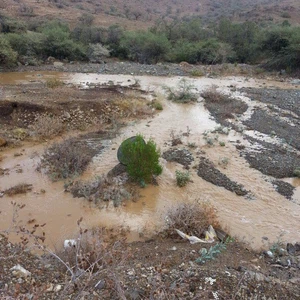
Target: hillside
[140,14]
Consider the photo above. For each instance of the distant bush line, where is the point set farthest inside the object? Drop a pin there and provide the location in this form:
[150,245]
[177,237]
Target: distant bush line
[274,46]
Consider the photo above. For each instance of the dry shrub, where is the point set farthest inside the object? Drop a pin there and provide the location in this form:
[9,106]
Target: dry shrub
[47,126]
[221,105]
[133,107]
[191,218]
[67,159]
[21,188]
[101,189]
[97,252]
[53,83]
[212,95]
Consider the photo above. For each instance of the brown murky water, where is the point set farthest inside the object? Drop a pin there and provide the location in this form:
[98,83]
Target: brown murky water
[267,215]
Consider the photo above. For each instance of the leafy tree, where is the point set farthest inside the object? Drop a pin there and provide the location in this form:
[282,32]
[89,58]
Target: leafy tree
[213,52]
[8,56]
[242,37]
[145,47]
[141,159]
[11,25]
[29,44]
[58,43]
[184,51]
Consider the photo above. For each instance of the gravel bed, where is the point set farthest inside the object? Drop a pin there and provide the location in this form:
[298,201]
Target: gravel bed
[285,99]
[210,173]
[263,122]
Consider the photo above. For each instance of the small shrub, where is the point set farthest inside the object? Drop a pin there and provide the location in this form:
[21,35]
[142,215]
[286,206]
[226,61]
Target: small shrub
[213,251]
[183,94]
[8,57]
[66,160]
[141,159]
[157,105]
[197,73]
[223,162]
[213,96]
[47,126]
[190,218]
[53,83]
[222,144]
[297,172]
[182,178]
[192,145]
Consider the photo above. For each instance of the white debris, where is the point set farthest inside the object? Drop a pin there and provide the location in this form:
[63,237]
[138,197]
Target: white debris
[69,243]
[19,271]
[57,288]
[193,239]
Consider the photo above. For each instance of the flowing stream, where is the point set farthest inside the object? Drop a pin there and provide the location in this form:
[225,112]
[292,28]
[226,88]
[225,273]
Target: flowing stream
[268,214]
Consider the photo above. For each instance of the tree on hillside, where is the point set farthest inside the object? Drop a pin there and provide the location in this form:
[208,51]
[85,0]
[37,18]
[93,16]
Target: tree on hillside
[8,56]
[145,47]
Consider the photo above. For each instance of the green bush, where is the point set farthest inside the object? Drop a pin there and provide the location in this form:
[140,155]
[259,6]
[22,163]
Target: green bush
[182,178]
[8,57]
[27,44]
[59,44]
[184,51]
[145,47]
[142,159]
[297,172]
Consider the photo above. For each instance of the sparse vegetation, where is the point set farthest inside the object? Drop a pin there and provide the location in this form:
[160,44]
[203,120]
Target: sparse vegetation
[213,251]
[222,106]
[67,159]
[184,93]
[47,126]
[182,178]
[53,83]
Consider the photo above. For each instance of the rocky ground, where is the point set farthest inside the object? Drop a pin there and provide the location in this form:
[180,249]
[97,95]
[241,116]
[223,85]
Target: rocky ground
[161,69]
[159,268]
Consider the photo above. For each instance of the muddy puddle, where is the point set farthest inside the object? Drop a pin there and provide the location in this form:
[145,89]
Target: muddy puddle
[264,214]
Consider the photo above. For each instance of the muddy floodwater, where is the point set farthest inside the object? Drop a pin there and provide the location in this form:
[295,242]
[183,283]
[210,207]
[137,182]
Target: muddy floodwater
[264,215]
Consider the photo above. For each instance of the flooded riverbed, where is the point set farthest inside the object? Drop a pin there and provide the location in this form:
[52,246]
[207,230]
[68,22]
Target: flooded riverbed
[265,214]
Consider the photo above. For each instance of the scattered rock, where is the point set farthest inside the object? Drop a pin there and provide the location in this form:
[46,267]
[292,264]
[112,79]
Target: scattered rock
[181,156]
[284,188]
[19,272]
